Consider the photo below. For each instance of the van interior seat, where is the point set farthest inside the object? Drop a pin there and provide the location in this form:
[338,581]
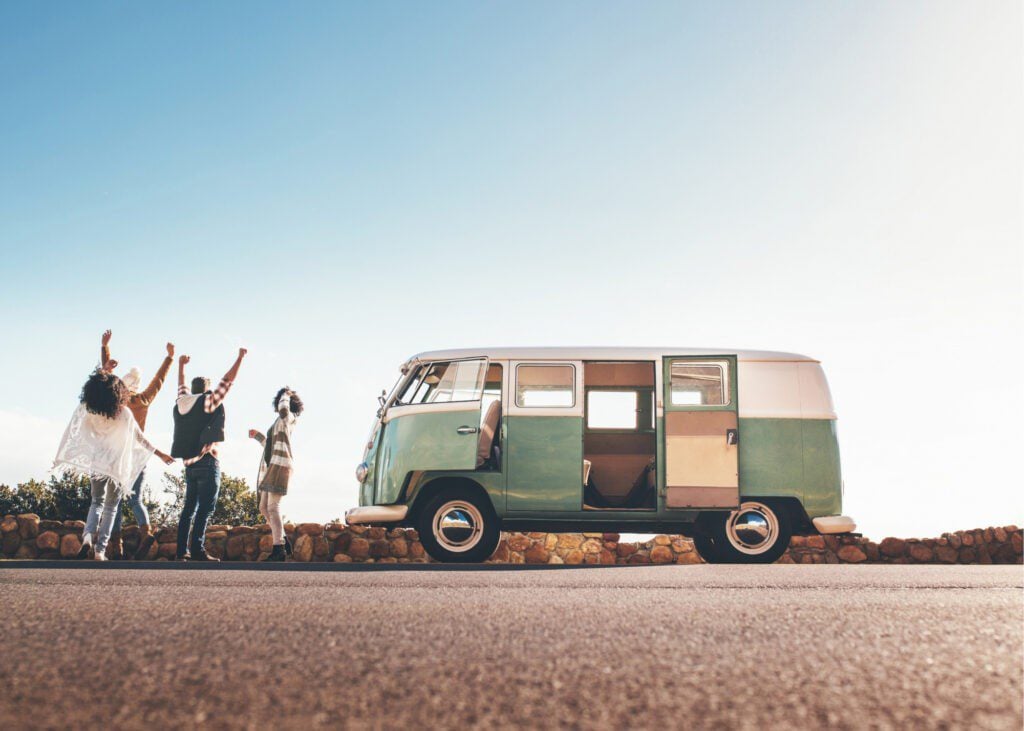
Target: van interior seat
[488,428]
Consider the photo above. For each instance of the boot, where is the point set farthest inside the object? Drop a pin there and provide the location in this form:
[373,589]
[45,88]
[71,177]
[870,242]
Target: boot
[200,554]
[277,554]
[287,546]
[83,552]
[146,539]
[115,548]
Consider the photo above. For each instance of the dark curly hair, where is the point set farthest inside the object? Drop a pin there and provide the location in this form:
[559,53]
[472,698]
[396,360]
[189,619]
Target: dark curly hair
[104,394]
[297,405]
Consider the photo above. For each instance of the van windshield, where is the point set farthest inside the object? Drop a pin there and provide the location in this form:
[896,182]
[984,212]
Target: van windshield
[444,383]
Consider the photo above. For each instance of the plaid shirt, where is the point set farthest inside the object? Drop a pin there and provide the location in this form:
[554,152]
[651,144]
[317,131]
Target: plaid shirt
[210,404]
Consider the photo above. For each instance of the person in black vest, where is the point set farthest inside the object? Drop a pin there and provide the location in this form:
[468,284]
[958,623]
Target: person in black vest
[198,432]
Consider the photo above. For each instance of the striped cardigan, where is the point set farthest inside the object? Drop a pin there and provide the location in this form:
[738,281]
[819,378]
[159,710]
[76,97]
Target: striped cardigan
[276,462]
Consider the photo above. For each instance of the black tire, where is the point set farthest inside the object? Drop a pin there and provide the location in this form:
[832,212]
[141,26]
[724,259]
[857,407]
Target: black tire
[705,545]
[454,542]
[738,536]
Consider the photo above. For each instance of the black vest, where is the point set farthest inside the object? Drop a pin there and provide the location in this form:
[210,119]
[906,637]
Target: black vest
[196,428]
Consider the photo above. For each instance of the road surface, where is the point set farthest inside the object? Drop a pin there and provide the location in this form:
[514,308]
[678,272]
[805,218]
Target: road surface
[637,647]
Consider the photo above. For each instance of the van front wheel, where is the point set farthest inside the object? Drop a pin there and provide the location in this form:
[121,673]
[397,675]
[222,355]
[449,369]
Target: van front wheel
[754,533]
[457,526]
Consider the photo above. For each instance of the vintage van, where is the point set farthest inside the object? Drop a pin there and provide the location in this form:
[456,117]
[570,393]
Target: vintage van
[735,448]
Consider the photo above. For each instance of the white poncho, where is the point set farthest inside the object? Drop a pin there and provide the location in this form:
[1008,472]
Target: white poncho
[95,446]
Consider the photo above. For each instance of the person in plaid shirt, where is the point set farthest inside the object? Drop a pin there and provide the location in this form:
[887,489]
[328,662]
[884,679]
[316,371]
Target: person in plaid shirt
[198,433]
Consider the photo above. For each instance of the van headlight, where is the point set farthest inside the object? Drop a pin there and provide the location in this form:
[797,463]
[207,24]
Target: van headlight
[361,471]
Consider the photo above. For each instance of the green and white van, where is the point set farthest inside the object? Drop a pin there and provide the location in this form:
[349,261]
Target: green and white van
[735,448]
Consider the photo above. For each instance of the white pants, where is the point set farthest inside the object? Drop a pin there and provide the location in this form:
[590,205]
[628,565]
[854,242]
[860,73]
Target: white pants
[270,508]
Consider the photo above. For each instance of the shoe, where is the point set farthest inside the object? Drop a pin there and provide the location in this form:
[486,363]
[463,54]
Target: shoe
[277,554]
[287,545]
[182,557]
[146,541]
[201,555]
[100,556]
[83,552]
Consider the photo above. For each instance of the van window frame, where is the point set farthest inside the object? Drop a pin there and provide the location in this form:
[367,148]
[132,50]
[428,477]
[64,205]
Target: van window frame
[422,367]
[729,387]
[514,395]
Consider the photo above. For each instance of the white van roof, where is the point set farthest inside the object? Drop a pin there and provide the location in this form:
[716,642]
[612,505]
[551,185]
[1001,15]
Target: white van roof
[606,353]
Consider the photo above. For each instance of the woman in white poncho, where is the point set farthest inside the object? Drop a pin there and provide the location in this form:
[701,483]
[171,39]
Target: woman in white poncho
[104,442]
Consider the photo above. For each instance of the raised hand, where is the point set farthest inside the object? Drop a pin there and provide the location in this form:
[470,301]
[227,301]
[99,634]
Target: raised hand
[253,433]
[242,353]
[105,338]
[109,366]
[170,350]
[184,360]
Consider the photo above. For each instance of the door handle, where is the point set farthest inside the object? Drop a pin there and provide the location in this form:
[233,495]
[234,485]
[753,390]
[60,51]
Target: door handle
[467,430]
[732,436]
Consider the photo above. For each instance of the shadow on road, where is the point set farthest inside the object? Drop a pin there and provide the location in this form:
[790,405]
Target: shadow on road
[292,566]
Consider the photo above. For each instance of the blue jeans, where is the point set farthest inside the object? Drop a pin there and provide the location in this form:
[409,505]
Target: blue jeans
[202,485]
[100,520]
[135,501]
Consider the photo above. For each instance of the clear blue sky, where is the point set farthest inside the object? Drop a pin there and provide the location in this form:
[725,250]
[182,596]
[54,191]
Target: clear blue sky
[337,186]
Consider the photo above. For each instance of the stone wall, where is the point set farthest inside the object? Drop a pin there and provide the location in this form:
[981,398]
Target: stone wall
[27,537]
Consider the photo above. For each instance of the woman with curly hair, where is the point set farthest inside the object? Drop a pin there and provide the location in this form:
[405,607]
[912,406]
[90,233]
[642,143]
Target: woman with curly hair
[276,466]
[104,442]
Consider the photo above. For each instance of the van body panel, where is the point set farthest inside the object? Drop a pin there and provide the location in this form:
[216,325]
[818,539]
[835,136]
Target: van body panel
[545,463]
[493,484]
[771,457]
[823,484]
[427,440]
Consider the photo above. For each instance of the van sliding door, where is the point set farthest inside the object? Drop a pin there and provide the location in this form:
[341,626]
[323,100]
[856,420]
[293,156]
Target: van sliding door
[701,432]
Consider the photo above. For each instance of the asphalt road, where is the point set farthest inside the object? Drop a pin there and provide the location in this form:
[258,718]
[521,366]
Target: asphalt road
[631,647]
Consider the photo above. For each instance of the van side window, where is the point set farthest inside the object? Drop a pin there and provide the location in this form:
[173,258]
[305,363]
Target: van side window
[545,386]
[700,384]
[446,382]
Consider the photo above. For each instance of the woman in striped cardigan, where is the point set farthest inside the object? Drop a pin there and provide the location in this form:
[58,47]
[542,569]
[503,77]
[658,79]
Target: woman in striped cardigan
[276,466]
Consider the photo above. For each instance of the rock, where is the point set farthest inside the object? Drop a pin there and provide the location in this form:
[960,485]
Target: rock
[266,543]
[518,542]
[662,540]
[872,552]
[167,535]
[26,550]
[536,536]
[399,547]
[606,558]
[798,541]
[8,525]
[234,549]
[78,525]
[238,530]
[690,557]
[920,552]
[376,533]
[661,554]
[396,533]
[785,558]
[10,542]
[216,535]
[70,546]
[968,555]
[613,537]
[379,549]
[574,557]
[591,559]
[359,548]
[815,542]
[569,541]
[1017,541]
[625,549]
[640,557]
[1004,553]
[852,554]
[45,525]
[342,558]
[550,541]
[592,535]
[28,525]
[166,550]
[536,553]
[302,550]
[1000,534]
[966,538]
[681,545]
[555,559]
[946,554]
[310,529]
[417,552]
[892,547]
[48,541]
[591,545]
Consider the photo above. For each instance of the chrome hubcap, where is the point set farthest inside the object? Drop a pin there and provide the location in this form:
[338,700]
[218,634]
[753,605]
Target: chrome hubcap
[458,526]
[752,529]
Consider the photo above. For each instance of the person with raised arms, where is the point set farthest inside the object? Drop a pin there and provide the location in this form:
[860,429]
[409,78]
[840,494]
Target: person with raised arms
[198,432]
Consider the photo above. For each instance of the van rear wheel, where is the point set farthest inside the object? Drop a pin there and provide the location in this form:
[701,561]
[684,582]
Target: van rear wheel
[754,533]
[458,526]
[705,546]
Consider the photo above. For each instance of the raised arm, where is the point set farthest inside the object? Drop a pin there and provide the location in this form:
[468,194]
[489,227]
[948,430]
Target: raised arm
[158,380]
[214,399]
[105,362]
[182,362]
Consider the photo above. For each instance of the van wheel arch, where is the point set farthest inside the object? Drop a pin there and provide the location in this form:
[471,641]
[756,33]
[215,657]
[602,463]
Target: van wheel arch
[439,484]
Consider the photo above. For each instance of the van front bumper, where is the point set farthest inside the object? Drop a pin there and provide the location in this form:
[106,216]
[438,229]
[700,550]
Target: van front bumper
[834,524]
[376,514]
